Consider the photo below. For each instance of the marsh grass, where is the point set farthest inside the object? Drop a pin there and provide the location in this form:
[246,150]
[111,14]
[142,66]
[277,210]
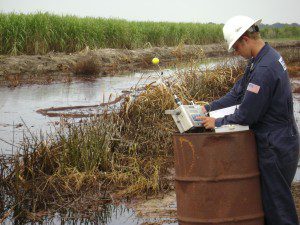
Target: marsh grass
[291,55]
[283,33]
[41,33]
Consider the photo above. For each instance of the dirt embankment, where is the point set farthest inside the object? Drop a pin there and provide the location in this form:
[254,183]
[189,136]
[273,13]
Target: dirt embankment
[60,67]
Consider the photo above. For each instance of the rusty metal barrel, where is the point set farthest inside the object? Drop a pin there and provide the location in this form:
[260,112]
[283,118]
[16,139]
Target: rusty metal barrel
[217,179]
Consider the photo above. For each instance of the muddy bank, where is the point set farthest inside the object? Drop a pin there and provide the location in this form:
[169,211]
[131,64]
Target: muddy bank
[60,67]
[162,210]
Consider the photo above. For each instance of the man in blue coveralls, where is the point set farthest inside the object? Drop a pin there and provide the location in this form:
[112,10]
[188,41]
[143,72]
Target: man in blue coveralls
[266,105]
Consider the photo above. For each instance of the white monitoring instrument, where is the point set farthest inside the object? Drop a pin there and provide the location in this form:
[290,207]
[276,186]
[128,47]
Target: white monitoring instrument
[187,118]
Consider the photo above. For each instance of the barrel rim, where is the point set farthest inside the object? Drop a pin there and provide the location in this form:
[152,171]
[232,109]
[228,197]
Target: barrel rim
[212,133]
[256,216]
[216,178]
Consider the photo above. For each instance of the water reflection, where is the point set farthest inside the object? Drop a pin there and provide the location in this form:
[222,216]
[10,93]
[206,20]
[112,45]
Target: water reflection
[19,105]
[110,215]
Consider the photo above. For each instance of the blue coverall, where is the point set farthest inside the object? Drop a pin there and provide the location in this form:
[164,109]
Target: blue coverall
[266,105]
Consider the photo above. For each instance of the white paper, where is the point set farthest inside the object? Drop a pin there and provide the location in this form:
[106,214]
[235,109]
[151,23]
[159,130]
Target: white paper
[223,112]
[231,128]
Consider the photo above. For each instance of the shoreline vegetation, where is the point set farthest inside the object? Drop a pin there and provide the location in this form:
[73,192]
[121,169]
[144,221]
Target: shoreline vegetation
[41,33]
[125,152]
[90,64]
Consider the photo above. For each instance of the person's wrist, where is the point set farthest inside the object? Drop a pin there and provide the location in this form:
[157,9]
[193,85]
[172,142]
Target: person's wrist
[218,122]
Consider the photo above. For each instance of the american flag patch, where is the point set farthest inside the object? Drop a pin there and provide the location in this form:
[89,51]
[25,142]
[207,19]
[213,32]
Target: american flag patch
[253,88]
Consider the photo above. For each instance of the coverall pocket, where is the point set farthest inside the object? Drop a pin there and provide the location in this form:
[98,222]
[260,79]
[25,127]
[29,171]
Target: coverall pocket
[286,148]
[263,146]
[288,170]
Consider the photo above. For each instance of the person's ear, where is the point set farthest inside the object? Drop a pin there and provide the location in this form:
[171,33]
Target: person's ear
[245,38]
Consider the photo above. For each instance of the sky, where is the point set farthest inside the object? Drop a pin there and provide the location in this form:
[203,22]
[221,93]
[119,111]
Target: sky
[199,11]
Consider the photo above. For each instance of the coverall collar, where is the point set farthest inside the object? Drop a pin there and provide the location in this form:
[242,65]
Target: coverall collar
[259,56]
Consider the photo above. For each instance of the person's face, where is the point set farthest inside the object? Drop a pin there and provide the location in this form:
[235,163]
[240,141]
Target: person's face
[242,48]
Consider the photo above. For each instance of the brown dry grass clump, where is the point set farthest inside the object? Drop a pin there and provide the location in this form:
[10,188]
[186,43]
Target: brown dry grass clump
[50,174]
[290,55]
[294,71]
[208,84]
[89,64]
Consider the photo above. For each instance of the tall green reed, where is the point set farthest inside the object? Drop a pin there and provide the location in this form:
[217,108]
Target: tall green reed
[40,33]
[43,32]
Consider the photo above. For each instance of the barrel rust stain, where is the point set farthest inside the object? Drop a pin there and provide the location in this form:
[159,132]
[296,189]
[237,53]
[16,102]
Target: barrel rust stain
[192,149]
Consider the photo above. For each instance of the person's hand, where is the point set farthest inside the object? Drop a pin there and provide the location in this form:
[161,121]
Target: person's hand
[208,122]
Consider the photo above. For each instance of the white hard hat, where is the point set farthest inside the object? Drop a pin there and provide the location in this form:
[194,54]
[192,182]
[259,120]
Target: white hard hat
[235,27]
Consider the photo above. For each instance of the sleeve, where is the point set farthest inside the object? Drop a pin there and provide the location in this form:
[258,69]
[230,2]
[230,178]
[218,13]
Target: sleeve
[230,99]
[256,101]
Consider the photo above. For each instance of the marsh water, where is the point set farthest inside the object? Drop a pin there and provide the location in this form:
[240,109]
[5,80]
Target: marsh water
[112,215]
[18,106]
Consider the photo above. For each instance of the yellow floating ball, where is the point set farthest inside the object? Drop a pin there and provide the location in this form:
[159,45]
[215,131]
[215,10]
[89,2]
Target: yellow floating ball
[155,61]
